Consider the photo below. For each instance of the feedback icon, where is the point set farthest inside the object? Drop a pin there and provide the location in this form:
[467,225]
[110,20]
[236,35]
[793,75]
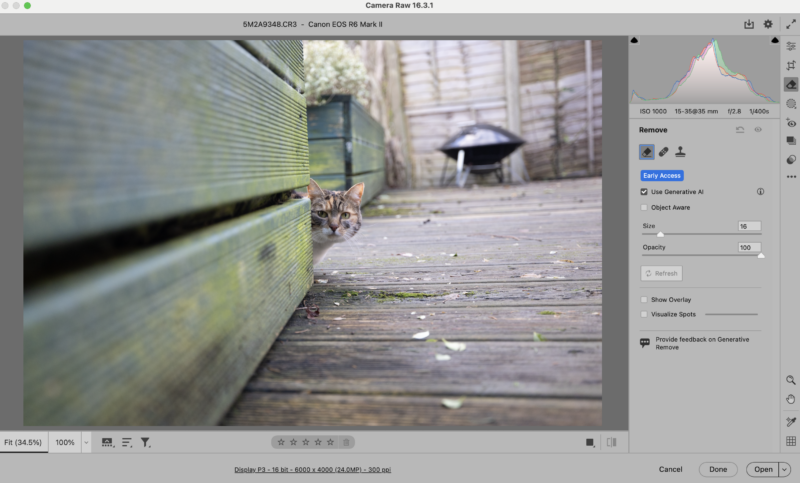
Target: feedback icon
[644,342]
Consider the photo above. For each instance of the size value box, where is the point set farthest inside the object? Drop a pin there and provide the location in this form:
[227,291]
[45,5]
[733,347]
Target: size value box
[749,226]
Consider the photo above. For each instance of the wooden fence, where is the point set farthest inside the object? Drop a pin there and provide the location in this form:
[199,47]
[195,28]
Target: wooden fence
[448,84]
[160,264]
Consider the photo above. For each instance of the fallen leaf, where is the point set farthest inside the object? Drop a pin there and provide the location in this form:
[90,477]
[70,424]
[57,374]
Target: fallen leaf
[413,313]
[421,317]
[421,335]
[566,261]
[336,303]
[537,337]
[555,277]
[312,312]
[553,253]
[452,296]
[453,403]
[405,254]
[454,254]
[301,331]
[485,260]
[334,272]
[596,313]
[455,346]
[494,318]
[339,318]
[442,357]
[431,340]
[319,280]
[531,275]
[372,288]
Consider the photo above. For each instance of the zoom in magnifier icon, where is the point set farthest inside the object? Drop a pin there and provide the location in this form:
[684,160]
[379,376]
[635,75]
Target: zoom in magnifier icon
[790,380]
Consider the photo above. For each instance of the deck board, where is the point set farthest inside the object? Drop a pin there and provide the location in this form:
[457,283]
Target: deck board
[357,363]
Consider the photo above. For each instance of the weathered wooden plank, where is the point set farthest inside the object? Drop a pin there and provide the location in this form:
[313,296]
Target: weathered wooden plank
[285,57]
[327,121]
[336,182]
[367,157]
[415,294]
[282,409]
[373,183]
[345,323]
[118,133]
[458,274]
[500,369]
[326,157]
[168,335]
[365,128]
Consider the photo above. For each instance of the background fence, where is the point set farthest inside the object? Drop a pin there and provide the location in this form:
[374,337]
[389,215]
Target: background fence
[424,91]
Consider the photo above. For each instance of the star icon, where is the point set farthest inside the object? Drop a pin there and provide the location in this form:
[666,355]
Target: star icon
[280,442]
[318,442]
[305,442]
[294,442]
[330,442]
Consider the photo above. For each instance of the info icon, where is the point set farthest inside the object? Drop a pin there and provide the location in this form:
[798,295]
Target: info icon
[647,151]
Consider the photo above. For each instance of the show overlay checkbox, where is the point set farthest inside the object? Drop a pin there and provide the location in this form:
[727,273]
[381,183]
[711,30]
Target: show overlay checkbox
[644,300]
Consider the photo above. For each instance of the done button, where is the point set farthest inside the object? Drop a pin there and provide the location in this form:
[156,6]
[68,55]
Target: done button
[713,470]
[662,175]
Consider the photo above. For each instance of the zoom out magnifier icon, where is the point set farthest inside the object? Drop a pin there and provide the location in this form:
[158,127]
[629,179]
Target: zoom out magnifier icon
[790,380]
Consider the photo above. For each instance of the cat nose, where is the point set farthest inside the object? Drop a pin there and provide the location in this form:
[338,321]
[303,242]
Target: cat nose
[334,228]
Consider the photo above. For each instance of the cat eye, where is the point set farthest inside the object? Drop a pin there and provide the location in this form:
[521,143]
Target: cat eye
[322,214]
[345,216]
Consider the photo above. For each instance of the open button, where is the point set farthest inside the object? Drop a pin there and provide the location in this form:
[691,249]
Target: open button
[763,470]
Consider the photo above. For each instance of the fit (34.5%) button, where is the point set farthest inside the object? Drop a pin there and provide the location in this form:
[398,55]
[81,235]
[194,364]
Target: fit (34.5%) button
[711,470]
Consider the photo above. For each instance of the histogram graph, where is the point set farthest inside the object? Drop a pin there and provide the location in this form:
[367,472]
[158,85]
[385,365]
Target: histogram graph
[707,77]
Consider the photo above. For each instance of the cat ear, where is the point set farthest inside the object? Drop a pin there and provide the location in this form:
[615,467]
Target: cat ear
[314,191]
[355,192]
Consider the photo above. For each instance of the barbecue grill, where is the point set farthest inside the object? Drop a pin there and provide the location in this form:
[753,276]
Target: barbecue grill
[479,149]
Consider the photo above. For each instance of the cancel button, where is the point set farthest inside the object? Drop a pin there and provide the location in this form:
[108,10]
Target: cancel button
[718,469]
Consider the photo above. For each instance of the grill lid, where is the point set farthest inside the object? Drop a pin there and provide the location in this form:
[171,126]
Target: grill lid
[482,144]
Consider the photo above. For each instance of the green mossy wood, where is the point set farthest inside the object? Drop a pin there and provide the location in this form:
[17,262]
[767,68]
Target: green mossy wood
[345,141]
[285,57]
[168,336]
[118,133]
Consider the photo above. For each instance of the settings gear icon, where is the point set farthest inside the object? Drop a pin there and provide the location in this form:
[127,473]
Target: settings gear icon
[768,24]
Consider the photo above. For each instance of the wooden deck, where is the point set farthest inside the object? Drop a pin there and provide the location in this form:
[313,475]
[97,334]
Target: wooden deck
[490,266]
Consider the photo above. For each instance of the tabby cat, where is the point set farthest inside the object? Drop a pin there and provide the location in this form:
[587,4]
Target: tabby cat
[335,216]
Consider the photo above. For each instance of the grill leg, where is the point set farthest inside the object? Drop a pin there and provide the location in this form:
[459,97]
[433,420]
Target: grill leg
[444,171]
[460,169]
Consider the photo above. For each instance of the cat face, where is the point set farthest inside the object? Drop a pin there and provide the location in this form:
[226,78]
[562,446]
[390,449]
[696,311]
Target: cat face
[335,215]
